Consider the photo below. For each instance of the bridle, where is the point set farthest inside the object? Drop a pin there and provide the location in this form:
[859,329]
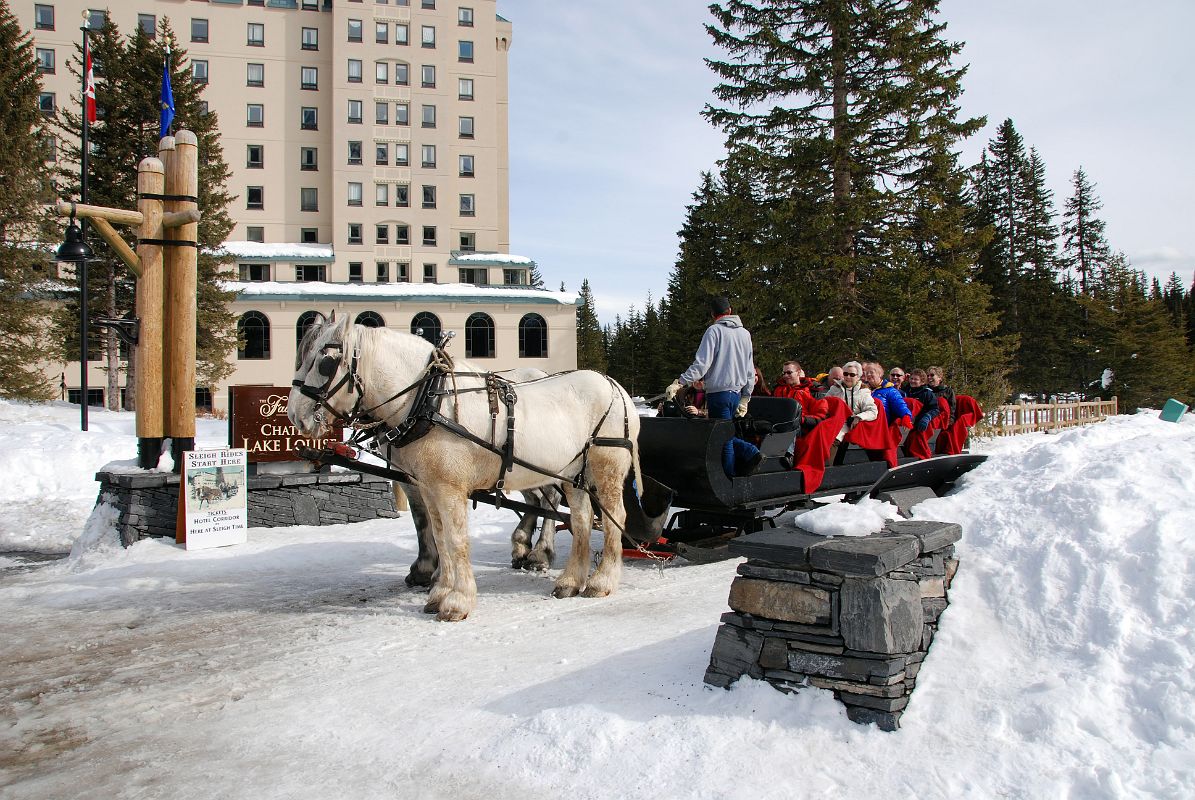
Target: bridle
[327,364]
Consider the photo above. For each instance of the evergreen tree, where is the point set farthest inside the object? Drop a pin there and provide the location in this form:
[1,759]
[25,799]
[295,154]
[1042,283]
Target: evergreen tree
[127,98]
[23,228]
[591,350]
[534,278]
[1173,296]
[1189,310]
[1085,250]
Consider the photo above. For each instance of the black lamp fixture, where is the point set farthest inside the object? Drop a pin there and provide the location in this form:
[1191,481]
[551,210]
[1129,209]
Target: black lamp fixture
[75,250]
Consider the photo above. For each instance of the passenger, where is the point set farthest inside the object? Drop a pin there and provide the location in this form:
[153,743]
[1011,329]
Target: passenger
[856,396]
[897,376]
[692,400]
[885,392]
[927,401]
[827,382]
[761,388]
[724,362]
[935,379]
[793,383]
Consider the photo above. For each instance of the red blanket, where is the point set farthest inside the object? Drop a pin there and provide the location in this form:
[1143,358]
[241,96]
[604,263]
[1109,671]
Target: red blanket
[813,447]
[951,440]
[876,437]
[917,442]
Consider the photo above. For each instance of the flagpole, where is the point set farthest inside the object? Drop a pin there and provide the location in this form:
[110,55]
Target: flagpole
[83,169]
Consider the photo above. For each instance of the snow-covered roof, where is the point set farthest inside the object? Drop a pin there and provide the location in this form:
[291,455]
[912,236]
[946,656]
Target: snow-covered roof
[489,258]
[278,251]
[444,292]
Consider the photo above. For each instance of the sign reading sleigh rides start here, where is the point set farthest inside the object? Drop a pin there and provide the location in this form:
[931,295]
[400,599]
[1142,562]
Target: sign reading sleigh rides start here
[257,422]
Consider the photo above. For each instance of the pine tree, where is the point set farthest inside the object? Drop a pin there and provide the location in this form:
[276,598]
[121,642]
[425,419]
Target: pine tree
[534,278]
[1085,250]
[1189,310]
[23,226]
[591,351]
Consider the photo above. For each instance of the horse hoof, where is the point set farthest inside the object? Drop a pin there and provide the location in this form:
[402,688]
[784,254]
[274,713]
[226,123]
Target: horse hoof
[561,592]
[594,591]
[452,616]
[431,607]
[537,562]
[417,579]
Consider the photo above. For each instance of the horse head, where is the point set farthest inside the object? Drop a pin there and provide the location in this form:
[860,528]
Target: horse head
[322,386]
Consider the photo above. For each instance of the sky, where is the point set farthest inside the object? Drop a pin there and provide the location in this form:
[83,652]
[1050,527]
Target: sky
[607,143]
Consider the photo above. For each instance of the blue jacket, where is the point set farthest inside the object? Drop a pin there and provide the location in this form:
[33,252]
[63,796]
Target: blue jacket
[724,358]
[892,400]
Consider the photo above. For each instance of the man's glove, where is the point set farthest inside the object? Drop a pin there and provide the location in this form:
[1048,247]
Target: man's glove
[741,411]
[851,422]
[922,423]
[673,388]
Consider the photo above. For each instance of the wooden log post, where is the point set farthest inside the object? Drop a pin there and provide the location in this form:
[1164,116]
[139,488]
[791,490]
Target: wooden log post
[151,422]
[180,156]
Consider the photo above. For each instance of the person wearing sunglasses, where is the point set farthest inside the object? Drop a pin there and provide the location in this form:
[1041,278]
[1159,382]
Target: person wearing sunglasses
[897,376]
[884,392]
[856,396]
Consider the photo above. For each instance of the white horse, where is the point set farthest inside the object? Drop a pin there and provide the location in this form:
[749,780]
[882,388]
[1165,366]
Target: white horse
[578,426]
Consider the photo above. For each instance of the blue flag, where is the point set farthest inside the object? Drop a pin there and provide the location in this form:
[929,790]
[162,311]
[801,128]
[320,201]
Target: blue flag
[167,114]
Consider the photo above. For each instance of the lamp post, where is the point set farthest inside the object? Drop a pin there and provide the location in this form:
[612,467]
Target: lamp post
[75,250]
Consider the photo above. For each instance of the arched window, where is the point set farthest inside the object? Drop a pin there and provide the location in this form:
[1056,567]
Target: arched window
[479,336]
[533,337]
[306,321]
[253,331]
[371,319]
[427,325]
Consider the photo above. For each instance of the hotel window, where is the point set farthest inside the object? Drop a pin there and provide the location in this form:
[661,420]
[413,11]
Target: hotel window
[429,273]
[45,60]
[254,330]
[464,89]
[382,234]
[402,155]
[381,154]
[402,234]
[198,30]
[148,23]
[464,51]
[199,71]
[428,76]
[255,198]
[309,118]
[402,74]
[402,114]
[464,17]
[255,156]
[381,72]
[310,272]
[355,111]
[402,33]
[308,78]
[533,337]
[429,156]
[310,39]
[308,199]
[429,4]
[468,205]
[43,17]
[479,336]
[370,319]
[429,116]
[429,36]
[429,235]
[254,273]
[354,70]
[381,113]
[468,242]
[354,233]
[402,271]
[465,127]
[255,34]
[309,159]
[381,32]
[425,323]
[255,115]
[354,30]
[255,233]
[429,196]
[383,271]
[354,154]
[466,166]
[309,235]
[479,276]
[356,272]
[354,193]
[255,74]
[402,195]
[381,194]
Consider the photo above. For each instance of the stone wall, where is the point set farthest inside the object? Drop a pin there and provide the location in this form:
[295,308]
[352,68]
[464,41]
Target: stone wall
[147,502]
[855,615]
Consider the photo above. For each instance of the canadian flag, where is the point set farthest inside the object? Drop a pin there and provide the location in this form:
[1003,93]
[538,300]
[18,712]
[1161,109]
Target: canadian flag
[89,92]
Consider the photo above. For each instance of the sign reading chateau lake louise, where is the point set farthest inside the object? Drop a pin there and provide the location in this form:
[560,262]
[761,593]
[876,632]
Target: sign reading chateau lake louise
[257,422]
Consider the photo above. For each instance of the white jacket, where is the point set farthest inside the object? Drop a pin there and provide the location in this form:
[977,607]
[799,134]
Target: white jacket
[858,399]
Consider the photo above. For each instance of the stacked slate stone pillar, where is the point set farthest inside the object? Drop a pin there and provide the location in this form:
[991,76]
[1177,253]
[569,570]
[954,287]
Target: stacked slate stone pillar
[855,615]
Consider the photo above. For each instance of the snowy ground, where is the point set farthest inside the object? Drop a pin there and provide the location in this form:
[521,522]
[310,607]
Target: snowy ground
[299,666]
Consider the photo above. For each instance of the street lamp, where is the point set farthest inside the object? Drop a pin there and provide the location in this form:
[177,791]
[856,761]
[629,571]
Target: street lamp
[75,250]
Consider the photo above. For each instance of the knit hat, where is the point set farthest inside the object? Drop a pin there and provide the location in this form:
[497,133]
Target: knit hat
[719,305]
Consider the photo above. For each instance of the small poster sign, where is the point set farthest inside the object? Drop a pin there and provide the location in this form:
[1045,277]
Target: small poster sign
[215,495]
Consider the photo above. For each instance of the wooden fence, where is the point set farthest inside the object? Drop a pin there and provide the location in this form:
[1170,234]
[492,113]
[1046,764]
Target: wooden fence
[1010,420]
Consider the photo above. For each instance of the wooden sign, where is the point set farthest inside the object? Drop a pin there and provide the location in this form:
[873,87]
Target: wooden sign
[257,422]
[215,496]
